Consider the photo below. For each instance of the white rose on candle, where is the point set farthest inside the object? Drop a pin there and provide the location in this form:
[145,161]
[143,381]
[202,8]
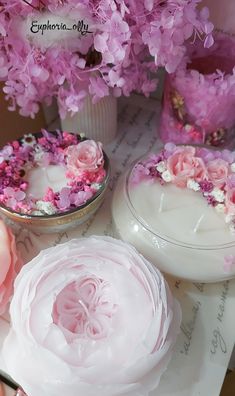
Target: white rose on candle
[91,318]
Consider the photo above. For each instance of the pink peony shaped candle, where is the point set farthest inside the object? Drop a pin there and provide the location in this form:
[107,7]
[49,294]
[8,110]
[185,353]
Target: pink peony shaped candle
[10,264]
[90,317]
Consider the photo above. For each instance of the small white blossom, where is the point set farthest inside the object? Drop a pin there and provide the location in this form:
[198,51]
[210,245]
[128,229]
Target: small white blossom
[232,167]
[218,194]
[220,208]
[232,227]
[96,186]
[161,166]
[229,218]
[37,213]
[193,185]
[38,156]
[46,207]
[166,176]
[29,140]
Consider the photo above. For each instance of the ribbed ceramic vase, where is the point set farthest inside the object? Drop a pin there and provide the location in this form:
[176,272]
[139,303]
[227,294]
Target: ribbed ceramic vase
[97,121]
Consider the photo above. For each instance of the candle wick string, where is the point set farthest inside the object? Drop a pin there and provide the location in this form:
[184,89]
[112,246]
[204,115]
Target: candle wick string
[161,205]
[198,223]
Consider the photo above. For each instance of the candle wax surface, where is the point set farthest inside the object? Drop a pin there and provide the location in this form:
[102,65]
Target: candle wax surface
[181,211]
[41,178]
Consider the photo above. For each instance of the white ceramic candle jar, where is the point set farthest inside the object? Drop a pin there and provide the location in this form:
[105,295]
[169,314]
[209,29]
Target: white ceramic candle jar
[177,208]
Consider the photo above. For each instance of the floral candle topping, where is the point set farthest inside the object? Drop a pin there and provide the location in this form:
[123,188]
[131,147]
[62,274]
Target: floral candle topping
[94,318]
[50,173]
[208,172]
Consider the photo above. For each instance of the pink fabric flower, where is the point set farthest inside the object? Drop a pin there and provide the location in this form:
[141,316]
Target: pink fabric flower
[183,165]
[10,265]
[94,318]
[217,171]
[85,157]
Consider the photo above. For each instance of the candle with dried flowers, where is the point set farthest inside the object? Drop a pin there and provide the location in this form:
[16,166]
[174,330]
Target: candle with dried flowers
[50,174]
[178,208]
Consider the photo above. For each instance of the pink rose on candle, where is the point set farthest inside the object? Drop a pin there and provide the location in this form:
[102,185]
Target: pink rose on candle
[217,171]
[10,265]
[91,317]
[183,165]
[85,157]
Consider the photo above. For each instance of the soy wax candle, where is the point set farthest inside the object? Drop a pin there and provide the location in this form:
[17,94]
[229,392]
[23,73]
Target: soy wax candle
[50,181]
[177,208]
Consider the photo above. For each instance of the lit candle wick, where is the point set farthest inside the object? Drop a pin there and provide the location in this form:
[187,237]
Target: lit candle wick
[161,203]
[198,223]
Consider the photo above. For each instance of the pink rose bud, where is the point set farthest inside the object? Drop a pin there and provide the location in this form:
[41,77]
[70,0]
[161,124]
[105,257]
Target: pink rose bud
[184,165]
[90,317]
[85,157]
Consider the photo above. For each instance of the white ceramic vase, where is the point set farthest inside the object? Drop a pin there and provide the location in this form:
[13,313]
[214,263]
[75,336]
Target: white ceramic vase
[97,121]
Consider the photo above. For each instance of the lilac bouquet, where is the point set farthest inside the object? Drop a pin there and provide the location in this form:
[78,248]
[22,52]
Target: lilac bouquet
[69,49]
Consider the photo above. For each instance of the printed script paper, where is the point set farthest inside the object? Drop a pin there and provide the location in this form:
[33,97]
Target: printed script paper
[205,344]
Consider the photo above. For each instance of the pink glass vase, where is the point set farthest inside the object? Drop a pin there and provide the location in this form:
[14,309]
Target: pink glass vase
[199,98]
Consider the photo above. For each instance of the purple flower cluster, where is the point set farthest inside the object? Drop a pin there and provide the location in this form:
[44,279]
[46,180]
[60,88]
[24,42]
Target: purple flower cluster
[113,58]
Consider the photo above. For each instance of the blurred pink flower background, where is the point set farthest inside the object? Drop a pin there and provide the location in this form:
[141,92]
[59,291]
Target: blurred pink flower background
[129,41]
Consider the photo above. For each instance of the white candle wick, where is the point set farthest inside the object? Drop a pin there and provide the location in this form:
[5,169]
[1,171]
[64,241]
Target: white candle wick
[162,200]
[198,223]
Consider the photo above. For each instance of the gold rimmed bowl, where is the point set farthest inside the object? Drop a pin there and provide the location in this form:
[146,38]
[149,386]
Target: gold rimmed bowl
[62,221]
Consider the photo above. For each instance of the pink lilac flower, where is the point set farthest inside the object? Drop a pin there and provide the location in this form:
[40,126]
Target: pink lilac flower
[124,33]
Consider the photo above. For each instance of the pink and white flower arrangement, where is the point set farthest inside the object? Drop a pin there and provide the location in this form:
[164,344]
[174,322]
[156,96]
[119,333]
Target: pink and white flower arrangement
[90,317]
[11,264]
[82,160]
[199,97]
[210,172]
[112,57]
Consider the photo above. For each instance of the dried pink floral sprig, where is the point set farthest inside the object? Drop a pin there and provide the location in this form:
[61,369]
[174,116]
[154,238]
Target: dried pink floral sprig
[82,159]
[210,172]
[113,58]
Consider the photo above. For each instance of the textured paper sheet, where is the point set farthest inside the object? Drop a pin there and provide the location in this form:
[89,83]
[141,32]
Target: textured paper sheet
[205,344]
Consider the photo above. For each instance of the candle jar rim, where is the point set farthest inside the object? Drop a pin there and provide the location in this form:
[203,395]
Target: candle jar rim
[149,228]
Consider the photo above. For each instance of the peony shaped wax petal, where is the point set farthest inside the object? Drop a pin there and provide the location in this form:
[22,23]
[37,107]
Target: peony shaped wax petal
[10,264]
[90,317]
